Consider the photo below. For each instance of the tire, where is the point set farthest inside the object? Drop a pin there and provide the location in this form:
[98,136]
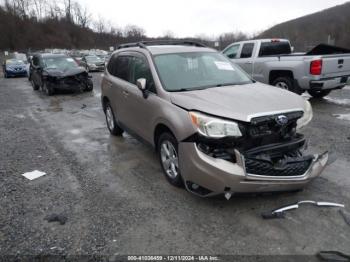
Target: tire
[112,125]
[35,86]
[167,146]
[49,91]
[319,94]
[287,83]
[89,86]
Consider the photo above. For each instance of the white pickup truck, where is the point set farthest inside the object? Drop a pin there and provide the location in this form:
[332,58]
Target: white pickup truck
[271,61]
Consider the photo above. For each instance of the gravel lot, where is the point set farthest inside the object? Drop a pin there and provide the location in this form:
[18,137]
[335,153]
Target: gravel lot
[117,201]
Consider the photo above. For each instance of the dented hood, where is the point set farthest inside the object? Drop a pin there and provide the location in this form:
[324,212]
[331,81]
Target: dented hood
[241,102]
[64,73]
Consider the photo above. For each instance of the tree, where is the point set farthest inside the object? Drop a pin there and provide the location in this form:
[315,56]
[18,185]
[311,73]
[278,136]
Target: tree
[81,15]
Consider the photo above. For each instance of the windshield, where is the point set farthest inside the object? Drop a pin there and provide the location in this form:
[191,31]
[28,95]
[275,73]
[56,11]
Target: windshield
[14,62]
[62,63]
[200,70]
[93,59]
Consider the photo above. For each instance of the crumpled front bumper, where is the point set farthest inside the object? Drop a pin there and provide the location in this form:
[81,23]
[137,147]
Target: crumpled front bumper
[216,176]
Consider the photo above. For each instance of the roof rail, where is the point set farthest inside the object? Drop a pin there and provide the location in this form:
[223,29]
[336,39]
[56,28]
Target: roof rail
[144,44]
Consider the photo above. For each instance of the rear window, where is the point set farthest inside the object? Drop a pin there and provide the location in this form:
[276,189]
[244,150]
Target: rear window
[247,50]
[274,48]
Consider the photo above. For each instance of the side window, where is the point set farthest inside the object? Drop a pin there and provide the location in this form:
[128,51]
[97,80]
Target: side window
[247,50]
[232,51]
[119,66]
[142,70]
[111,65]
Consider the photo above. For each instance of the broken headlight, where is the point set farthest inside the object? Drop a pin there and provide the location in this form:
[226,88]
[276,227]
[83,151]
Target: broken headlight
[214,127]
[307,117]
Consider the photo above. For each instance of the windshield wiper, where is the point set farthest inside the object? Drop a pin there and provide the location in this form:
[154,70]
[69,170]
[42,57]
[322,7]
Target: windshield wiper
[225,84]
[188,89]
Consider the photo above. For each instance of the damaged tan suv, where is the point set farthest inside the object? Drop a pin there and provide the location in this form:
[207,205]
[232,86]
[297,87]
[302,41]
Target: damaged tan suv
[215,129]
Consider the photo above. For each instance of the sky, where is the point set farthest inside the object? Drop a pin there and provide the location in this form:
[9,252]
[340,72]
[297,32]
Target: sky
[186,18]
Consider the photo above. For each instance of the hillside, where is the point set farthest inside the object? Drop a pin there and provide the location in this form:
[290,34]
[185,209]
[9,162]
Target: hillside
[308,31]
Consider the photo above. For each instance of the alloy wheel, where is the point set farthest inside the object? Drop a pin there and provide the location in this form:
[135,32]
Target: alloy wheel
[169,159]
[282,85]
[110,118]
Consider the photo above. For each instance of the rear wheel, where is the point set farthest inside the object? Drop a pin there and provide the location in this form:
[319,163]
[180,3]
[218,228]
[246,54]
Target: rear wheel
[169,158]
[319,94]
[112,125]
[287,83]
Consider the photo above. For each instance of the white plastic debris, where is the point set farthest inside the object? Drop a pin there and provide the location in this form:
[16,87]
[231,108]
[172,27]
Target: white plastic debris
[34,174]
[228,195]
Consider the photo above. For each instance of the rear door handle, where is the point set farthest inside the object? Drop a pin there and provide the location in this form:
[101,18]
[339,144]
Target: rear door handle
[125,93]
[249,63]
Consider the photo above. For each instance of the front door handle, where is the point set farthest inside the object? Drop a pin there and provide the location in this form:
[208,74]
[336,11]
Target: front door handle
[109,84]
[249,62]
[125,93]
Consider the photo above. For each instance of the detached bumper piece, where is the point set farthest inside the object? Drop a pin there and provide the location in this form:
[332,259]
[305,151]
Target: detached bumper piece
[280,212]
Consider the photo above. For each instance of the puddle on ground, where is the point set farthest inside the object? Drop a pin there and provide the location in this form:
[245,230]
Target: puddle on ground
[343,116]
[74,131]
[20,116]
[54,105]
[97,94]
[80,140]
[338,101]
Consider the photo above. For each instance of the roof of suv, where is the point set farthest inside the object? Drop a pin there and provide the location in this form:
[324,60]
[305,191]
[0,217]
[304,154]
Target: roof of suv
[50,55]
[167,47]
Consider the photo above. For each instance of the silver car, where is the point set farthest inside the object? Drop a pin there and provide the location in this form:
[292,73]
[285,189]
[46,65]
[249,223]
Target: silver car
[214,128]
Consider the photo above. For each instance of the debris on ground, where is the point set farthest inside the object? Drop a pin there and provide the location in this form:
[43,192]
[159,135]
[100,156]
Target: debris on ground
[333,256]
[83,106]
[62,219]
[280,212]
[33,175]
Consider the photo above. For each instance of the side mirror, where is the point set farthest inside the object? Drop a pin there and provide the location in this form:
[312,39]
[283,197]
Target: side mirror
[141,84]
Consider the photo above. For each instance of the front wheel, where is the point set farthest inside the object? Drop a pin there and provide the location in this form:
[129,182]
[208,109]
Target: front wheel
[48,90]
[89,86]
[112,124]
[169,158]
[35,86]
[319,93]
[287,83]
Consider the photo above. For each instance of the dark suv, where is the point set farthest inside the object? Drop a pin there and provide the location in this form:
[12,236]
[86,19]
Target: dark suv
[52,72]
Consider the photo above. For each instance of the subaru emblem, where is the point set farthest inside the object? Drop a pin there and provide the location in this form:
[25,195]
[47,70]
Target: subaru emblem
[282,120]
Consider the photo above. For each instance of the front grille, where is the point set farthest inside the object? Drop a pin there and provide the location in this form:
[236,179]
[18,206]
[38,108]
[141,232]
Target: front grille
[71,81]
[290,168]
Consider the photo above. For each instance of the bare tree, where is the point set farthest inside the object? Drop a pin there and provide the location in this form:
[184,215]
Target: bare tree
[134,32]
[81,15]
[100,25]
[21,7]
[39,8]
[168,34]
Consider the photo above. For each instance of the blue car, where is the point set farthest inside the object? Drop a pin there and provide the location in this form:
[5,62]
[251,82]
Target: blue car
[14,67]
